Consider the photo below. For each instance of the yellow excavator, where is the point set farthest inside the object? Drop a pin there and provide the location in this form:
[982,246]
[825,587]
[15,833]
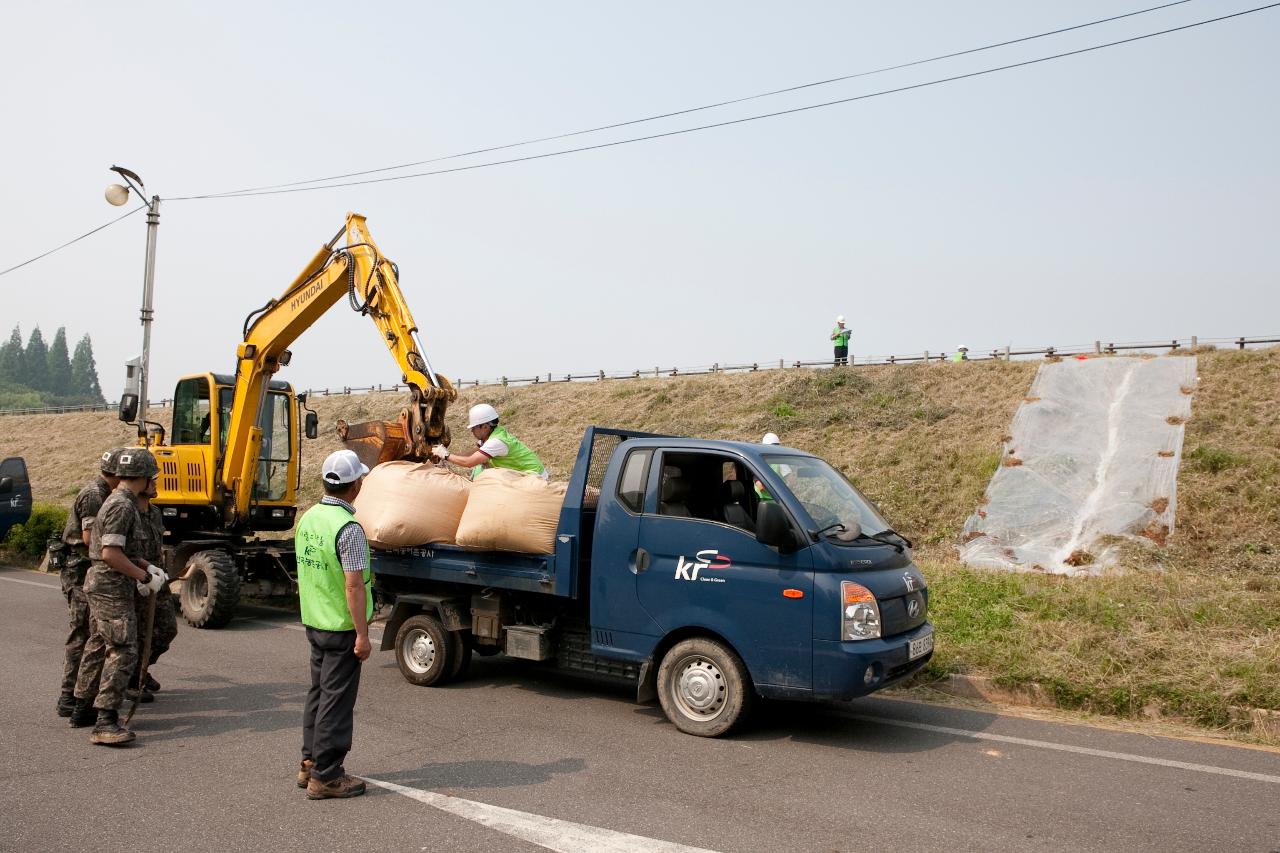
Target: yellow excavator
[232,464]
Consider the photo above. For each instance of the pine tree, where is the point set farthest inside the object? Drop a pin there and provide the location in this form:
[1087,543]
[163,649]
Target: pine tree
[60,365]
[13,359]
[37,363]
[84,373]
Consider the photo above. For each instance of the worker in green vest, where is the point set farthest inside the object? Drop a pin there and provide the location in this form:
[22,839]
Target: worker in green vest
[840,336]
[496,447]
[336,595]
[780,468]
[962,353]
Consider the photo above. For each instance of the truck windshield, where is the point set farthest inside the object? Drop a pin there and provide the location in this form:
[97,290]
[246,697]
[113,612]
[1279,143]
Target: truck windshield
[827,495]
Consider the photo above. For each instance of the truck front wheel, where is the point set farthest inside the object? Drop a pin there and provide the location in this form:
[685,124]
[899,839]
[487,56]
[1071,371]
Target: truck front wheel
[704,687]
[426,653]
[210,589]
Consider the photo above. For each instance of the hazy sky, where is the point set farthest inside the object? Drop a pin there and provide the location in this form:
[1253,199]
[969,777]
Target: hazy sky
[1126,194]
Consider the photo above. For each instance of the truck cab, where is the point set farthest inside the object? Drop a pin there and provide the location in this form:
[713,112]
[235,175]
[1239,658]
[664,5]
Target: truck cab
[15,494]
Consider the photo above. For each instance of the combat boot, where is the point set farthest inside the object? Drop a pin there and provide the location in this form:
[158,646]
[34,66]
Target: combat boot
[83,714]
[108,731]
[340,788]
[304,772]
[66,704]
[132,693]
[151,684]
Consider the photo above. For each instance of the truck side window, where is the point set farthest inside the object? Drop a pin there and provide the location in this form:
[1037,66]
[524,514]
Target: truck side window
[635,474]
[707,486]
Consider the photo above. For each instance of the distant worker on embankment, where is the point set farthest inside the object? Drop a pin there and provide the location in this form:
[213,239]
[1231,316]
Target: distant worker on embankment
[840,335]
[496,447]
[962,353]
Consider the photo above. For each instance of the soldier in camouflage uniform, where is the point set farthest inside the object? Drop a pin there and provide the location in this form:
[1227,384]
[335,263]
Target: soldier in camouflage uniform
[118,568]
[72,560]
[165,621]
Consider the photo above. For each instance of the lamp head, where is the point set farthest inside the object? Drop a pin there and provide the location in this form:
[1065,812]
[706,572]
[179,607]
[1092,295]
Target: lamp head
[117,194]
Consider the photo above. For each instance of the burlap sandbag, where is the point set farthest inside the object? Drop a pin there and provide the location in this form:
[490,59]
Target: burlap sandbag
[510,511]
[406,503]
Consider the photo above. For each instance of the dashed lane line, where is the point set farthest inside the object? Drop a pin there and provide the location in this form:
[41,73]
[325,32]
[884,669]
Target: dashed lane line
[549,832]
[1079,750]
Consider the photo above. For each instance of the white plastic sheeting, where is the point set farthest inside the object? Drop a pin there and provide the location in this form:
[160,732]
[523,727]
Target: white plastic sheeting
[1094,452]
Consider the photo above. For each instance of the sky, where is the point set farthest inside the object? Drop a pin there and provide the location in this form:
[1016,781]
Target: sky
[1127,194]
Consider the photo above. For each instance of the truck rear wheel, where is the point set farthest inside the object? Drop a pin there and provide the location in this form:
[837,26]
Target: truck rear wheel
[426,653]
[210,589]
[703,687]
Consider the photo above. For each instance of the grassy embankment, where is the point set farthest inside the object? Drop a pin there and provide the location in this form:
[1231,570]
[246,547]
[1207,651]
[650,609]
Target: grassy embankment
[1191,631]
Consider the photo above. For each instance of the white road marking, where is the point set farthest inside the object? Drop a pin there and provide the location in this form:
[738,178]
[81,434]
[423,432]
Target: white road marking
[549,832]
[1079,750]
[31,583]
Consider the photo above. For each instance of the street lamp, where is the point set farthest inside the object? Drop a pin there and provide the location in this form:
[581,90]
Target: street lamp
[117,195]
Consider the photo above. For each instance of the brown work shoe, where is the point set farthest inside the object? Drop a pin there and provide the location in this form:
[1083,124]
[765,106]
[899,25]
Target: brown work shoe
[339,788]
[304,772]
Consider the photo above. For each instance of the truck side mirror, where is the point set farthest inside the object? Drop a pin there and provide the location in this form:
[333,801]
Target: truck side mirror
[128,407]
[6,485]
[311,425]
[773,528]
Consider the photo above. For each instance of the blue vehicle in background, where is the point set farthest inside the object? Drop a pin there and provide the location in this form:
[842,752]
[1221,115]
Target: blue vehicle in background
[15,494]
[707,572]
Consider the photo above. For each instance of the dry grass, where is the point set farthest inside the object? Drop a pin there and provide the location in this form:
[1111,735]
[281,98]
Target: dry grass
[1190,630]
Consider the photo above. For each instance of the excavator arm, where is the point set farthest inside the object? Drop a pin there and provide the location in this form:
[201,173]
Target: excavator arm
[348,264]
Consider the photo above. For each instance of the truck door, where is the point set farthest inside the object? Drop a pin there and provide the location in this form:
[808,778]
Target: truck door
[707,569]
[615,559]
[15,494]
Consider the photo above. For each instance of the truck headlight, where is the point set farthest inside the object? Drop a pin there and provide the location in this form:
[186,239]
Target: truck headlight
[860,614]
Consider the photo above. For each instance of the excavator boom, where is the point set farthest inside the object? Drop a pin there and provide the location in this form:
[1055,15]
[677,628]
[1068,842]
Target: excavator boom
[348,264]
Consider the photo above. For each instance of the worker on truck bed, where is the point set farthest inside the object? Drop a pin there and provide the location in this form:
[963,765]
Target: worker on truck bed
[496,447]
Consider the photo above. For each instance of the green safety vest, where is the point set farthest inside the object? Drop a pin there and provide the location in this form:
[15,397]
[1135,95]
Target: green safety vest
[960,356]
[322,584]
[763,493]
[518,458]
[841,336]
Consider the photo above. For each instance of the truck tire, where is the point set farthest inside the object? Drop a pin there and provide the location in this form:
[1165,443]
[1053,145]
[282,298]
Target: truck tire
[703,687]
[426,653]
[210,589]
[462,663]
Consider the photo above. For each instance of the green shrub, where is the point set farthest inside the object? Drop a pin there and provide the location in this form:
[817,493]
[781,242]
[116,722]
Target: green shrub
[30,539]
[1215,459]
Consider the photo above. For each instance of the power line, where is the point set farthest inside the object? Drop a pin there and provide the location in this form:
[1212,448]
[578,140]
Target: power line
[70,242]
[745,119]
[743,99]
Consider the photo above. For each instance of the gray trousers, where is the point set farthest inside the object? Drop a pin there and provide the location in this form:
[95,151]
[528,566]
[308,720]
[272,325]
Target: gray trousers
[331,701]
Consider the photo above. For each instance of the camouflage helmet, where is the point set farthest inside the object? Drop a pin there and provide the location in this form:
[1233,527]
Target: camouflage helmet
[110,458]
[136,462]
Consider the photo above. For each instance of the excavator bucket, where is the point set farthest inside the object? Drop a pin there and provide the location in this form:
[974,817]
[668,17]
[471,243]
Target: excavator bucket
[375,441]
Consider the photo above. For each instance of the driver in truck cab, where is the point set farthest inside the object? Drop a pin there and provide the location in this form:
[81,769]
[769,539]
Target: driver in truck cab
[496,447]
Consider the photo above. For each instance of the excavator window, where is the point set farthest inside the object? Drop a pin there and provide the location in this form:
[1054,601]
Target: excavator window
[191,411]
[273,460]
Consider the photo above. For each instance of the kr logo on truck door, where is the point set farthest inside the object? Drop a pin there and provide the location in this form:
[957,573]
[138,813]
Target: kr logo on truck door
[709,560]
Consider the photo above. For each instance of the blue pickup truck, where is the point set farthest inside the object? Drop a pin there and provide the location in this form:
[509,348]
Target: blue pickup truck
[15,494]
[709,572]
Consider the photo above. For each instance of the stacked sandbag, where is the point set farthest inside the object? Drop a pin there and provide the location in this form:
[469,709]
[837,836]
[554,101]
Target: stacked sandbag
[511,511]
[406,503]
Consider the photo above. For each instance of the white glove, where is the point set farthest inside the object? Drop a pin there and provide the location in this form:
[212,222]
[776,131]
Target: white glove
[440,452]
[155,580]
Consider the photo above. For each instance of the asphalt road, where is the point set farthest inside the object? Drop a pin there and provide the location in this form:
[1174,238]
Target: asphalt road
[521,758]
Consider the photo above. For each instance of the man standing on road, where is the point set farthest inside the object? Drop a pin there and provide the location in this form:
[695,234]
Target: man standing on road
[336,595]
[840,335]
[118,568]
[76,537]
[165,619]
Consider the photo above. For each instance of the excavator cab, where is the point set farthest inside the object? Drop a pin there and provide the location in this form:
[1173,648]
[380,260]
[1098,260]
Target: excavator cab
[189,492]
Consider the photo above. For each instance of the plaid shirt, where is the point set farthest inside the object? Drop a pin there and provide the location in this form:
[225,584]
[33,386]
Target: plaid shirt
[353,548]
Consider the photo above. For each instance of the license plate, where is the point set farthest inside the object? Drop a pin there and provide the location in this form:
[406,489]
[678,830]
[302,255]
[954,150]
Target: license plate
[920,646]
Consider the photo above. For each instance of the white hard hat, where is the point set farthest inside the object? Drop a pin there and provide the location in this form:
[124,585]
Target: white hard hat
[771,438]
[840,318]
[963,348]
[343,466]
[481,413]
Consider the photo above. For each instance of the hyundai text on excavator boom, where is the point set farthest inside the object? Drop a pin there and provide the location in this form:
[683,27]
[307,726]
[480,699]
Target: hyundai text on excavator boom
[233,464]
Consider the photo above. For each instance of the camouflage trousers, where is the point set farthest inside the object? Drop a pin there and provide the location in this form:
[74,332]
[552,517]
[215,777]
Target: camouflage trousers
[164,627]
[112,651]
[78,613]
